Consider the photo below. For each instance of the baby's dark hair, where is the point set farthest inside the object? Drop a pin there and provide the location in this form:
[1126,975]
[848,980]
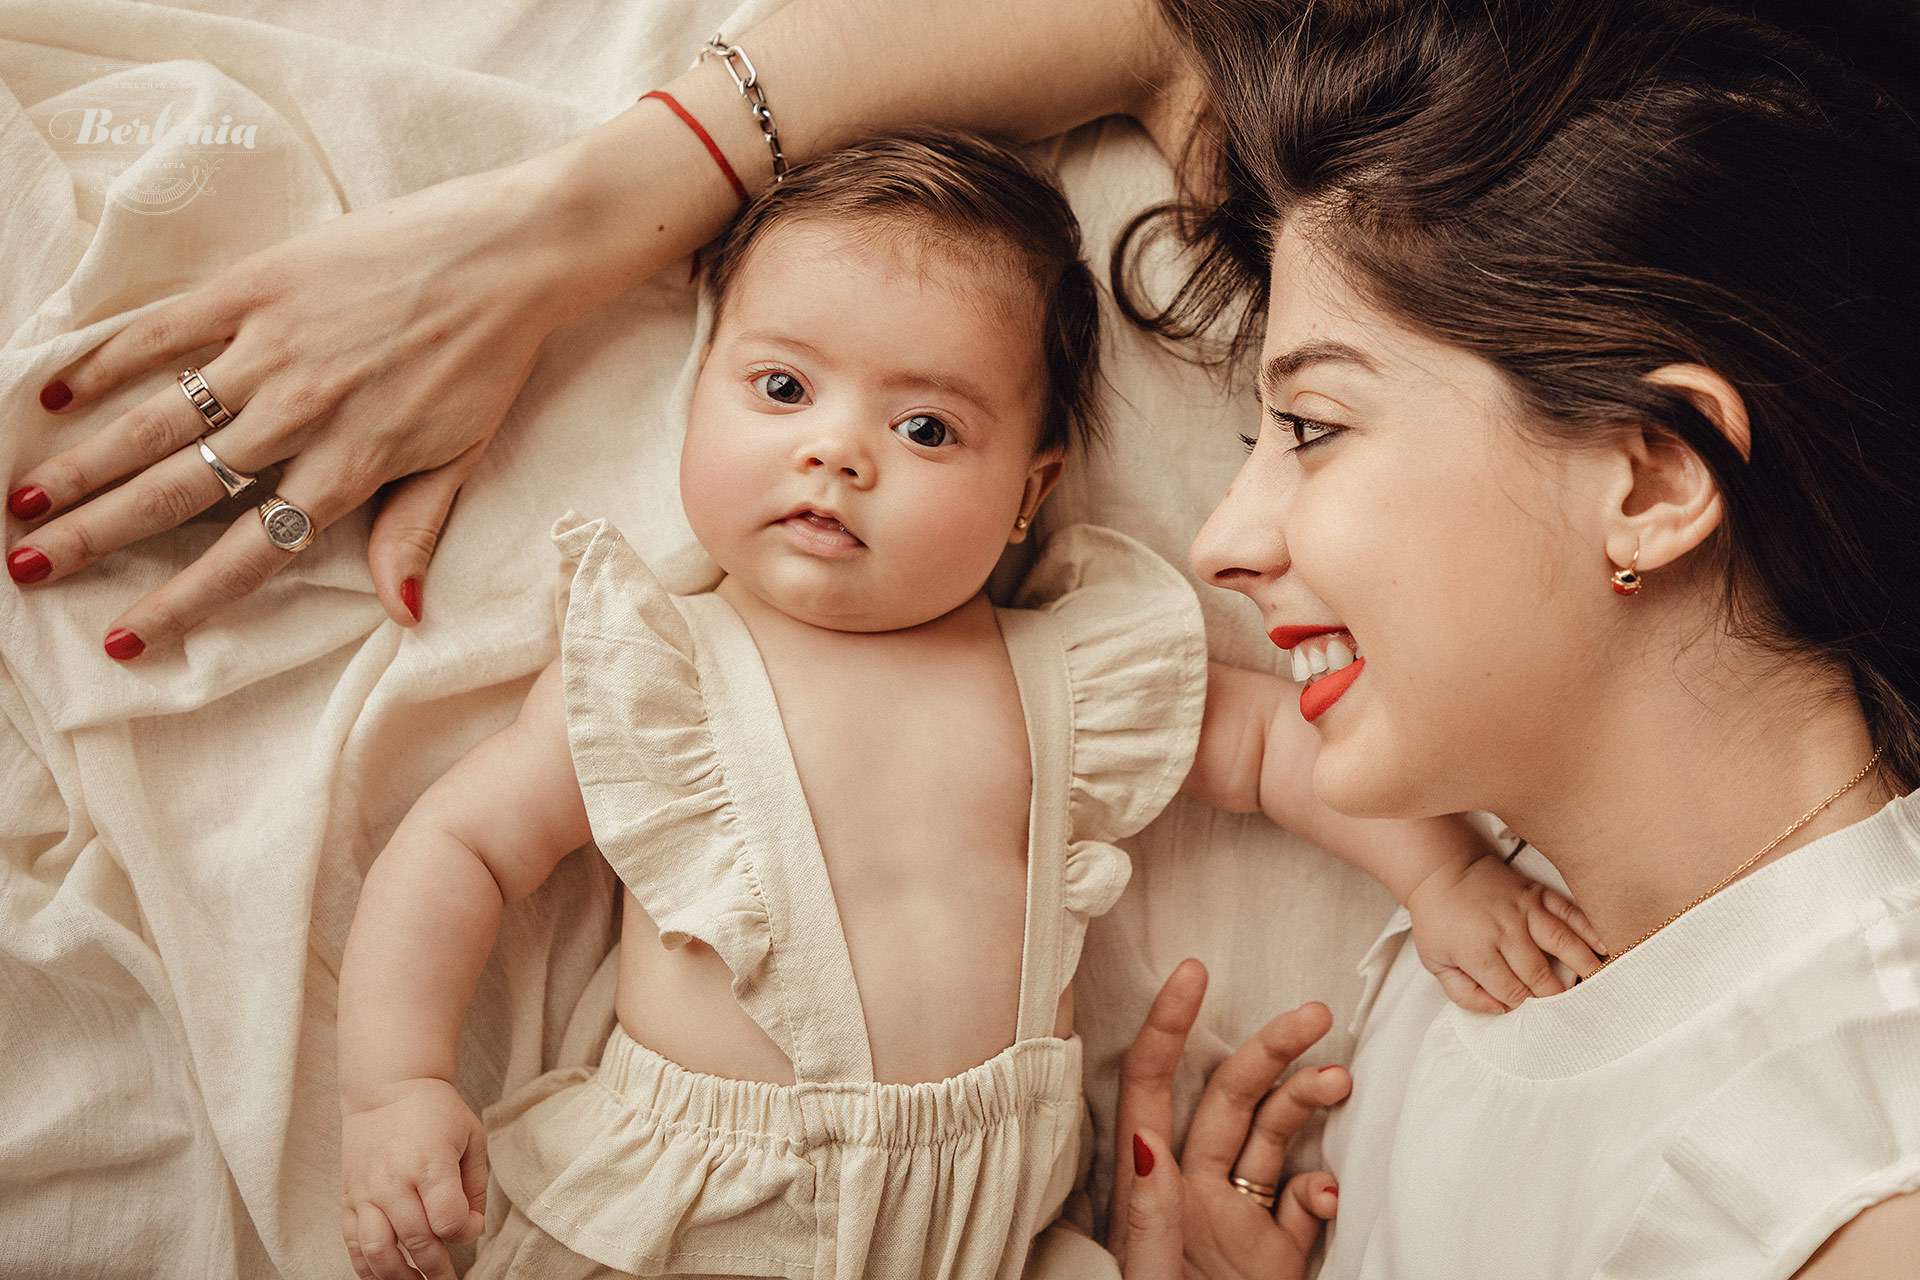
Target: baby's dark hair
[970,194]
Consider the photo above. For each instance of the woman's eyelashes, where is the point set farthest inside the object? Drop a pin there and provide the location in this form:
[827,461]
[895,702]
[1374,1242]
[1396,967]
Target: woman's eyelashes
[1305,431]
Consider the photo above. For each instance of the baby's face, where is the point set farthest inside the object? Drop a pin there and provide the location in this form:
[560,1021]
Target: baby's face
[862,432]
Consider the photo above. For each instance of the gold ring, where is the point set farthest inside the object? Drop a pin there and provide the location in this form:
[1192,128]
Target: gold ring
[201,396]
[1260,1193]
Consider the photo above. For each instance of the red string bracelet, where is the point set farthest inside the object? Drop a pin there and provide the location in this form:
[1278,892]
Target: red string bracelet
[713,148]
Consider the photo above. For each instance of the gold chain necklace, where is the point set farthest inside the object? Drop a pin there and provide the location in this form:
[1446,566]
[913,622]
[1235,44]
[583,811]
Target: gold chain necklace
[1734,874]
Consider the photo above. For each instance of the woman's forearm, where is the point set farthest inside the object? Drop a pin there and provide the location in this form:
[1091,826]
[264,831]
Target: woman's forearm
[640,191]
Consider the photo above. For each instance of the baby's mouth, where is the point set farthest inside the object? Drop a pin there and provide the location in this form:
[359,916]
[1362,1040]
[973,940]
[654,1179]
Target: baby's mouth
[819,525]
[1322,655]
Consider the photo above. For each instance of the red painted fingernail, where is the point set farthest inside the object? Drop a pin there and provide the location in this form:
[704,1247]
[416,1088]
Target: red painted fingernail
[410,597]
[1324,1070]
[55,396]
[29,502]
[1142,1157]
[24,564]
[122,644]
[1333,1191]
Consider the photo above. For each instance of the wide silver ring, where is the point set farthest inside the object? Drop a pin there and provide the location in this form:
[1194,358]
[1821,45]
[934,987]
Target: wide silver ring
[232,481]
[201,396]
[288,527]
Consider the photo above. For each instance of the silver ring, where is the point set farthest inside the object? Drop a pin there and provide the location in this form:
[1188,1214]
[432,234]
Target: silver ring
[288,527]
[201,396]
[230,479]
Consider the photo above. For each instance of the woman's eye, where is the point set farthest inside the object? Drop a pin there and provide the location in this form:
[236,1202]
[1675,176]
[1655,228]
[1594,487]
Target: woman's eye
[926,430]
[781,388]
[1305,431]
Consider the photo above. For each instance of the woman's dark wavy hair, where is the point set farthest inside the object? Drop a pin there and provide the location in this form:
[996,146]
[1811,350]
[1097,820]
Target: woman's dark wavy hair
[1581,191]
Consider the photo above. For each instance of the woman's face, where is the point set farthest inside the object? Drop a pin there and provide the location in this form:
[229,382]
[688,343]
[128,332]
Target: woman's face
[1393,496]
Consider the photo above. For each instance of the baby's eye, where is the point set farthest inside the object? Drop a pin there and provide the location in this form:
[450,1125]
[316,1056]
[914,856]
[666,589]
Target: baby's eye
[925,430]
[781,388]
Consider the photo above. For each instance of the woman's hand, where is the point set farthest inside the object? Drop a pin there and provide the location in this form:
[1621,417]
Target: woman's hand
[381,346]
[1173,1219]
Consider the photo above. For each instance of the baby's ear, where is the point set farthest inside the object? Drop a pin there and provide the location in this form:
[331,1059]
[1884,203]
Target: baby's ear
[1045,472]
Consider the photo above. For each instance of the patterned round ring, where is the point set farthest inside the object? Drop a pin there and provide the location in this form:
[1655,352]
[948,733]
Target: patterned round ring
[288,527]
[201,396]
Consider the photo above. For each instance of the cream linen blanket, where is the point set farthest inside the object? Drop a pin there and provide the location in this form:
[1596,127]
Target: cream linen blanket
[182,839]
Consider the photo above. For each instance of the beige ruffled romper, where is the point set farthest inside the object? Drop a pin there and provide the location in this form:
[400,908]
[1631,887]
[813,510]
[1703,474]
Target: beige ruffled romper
[641,1167]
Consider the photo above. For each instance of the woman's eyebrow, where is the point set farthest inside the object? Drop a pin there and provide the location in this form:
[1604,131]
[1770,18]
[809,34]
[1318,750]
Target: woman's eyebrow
[1287,363]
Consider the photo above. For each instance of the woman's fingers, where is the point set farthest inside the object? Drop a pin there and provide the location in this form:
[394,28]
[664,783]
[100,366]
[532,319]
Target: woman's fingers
[158,426]
[1307,1200]
[1238,1086]
[407,530]
[1155,1203]
[1281,1115]
[1146,1073]
[160,337]
[235,566]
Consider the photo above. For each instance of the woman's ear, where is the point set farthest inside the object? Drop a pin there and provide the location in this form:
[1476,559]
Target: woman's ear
[1666,503]
[1048,465]
[1714,397]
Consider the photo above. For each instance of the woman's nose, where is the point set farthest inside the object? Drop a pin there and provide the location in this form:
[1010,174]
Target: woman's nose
[1244,541]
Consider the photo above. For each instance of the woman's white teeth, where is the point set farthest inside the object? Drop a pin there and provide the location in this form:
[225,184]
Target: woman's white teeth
[1322,655]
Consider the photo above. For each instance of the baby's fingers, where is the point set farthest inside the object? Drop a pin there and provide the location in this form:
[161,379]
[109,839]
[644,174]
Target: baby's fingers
[1465,992]
[1528,962]
[1564,909]
[415,1233]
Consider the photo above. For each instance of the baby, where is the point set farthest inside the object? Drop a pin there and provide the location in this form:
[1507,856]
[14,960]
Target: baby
[862,814]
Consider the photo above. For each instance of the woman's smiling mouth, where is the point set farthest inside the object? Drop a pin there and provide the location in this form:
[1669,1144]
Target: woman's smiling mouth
[1326,661]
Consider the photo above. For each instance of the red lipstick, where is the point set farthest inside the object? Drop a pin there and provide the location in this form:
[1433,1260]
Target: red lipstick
[1287,637]
[1324,692]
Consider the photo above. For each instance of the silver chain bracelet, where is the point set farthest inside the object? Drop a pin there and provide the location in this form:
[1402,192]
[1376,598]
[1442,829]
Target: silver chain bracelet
[747,81]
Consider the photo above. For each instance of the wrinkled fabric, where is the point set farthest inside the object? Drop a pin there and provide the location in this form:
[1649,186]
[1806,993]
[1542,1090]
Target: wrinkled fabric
[182,839]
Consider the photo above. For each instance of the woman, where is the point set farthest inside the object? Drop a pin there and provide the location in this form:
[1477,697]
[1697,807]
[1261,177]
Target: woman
[1502,417]
[1592,414]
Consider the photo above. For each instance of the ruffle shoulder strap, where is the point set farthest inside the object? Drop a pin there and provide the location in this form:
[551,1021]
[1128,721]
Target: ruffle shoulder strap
[644,753]
[1136,653]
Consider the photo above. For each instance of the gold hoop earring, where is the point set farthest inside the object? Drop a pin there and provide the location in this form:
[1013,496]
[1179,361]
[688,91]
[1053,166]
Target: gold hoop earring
[1625,581]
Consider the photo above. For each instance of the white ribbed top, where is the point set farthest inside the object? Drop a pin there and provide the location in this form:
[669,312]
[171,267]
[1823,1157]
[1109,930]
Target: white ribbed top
[1715,1103]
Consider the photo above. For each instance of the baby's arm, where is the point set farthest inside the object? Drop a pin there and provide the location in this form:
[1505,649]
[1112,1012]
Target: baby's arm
[489,832]
[1483,929]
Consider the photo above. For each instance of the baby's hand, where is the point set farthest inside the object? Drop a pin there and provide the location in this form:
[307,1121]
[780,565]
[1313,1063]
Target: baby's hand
[1486,931]
[414,1177]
